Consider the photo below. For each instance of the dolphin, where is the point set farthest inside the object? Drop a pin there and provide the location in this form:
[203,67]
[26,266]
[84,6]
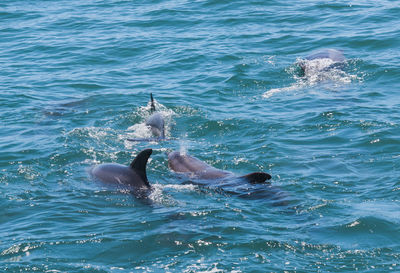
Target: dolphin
[156,123]
[323,60]
[132,177]
[195,168]
[251,186]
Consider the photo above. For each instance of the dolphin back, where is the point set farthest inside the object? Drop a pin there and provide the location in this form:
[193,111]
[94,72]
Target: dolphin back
[193,167]
[153,107]
[156,123]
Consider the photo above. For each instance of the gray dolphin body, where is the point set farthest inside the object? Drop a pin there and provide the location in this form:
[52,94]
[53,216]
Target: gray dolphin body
[250,186]
[195,168]
[156,123]
[329,53]
[132,177]
[335,56]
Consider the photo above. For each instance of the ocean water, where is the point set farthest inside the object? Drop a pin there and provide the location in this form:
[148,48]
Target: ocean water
[75,82]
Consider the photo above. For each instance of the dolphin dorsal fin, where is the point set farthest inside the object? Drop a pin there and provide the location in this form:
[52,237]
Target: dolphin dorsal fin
[256,178]
[139,164]
[153,107]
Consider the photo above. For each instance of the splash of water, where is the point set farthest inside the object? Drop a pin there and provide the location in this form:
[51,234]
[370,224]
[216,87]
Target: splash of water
[314,72]
[183,146]
[141,130]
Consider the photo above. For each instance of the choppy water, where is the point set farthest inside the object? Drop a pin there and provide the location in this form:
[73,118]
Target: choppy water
[75,81]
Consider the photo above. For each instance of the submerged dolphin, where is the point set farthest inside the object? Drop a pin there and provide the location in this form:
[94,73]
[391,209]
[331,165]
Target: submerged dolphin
[156,123]
[323,60]
[132,177]
[250,186]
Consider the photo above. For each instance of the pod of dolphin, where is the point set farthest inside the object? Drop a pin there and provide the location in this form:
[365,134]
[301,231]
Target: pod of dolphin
[134,177]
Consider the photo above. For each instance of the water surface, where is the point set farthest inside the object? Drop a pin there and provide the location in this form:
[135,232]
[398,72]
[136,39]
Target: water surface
[75,82]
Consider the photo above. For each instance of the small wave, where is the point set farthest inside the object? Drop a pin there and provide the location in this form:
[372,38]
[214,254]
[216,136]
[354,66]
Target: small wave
[91,132]
[386,210]
[204,268]
[366,232]
[16,252]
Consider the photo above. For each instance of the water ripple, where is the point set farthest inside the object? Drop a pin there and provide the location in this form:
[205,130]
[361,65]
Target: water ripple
[75,82]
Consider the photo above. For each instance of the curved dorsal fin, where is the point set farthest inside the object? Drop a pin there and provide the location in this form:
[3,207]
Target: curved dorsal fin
[153,107]
[139,164]
[255,178]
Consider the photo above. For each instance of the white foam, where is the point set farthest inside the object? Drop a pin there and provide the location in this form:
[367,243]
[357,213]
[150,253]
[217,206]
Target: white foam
[312,67]
[157,196]
[315,72]
[188,187]
[274,91]
[141,130]
[201,267]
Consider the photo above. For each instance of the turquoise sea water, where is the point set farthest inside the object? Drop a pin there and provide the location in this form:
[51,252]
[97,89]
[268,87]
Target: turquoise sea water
[75,81]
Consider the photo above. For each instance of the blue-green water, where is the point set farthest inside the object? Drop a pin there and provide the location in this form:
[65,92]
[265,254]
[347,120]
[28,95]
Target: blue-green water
[75,81]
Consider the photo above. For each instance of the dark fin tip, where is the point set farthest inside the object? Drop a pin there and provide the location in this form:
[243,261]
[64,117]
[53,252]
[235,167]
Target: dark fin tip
[256,178]
[153,108]
[139,164]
